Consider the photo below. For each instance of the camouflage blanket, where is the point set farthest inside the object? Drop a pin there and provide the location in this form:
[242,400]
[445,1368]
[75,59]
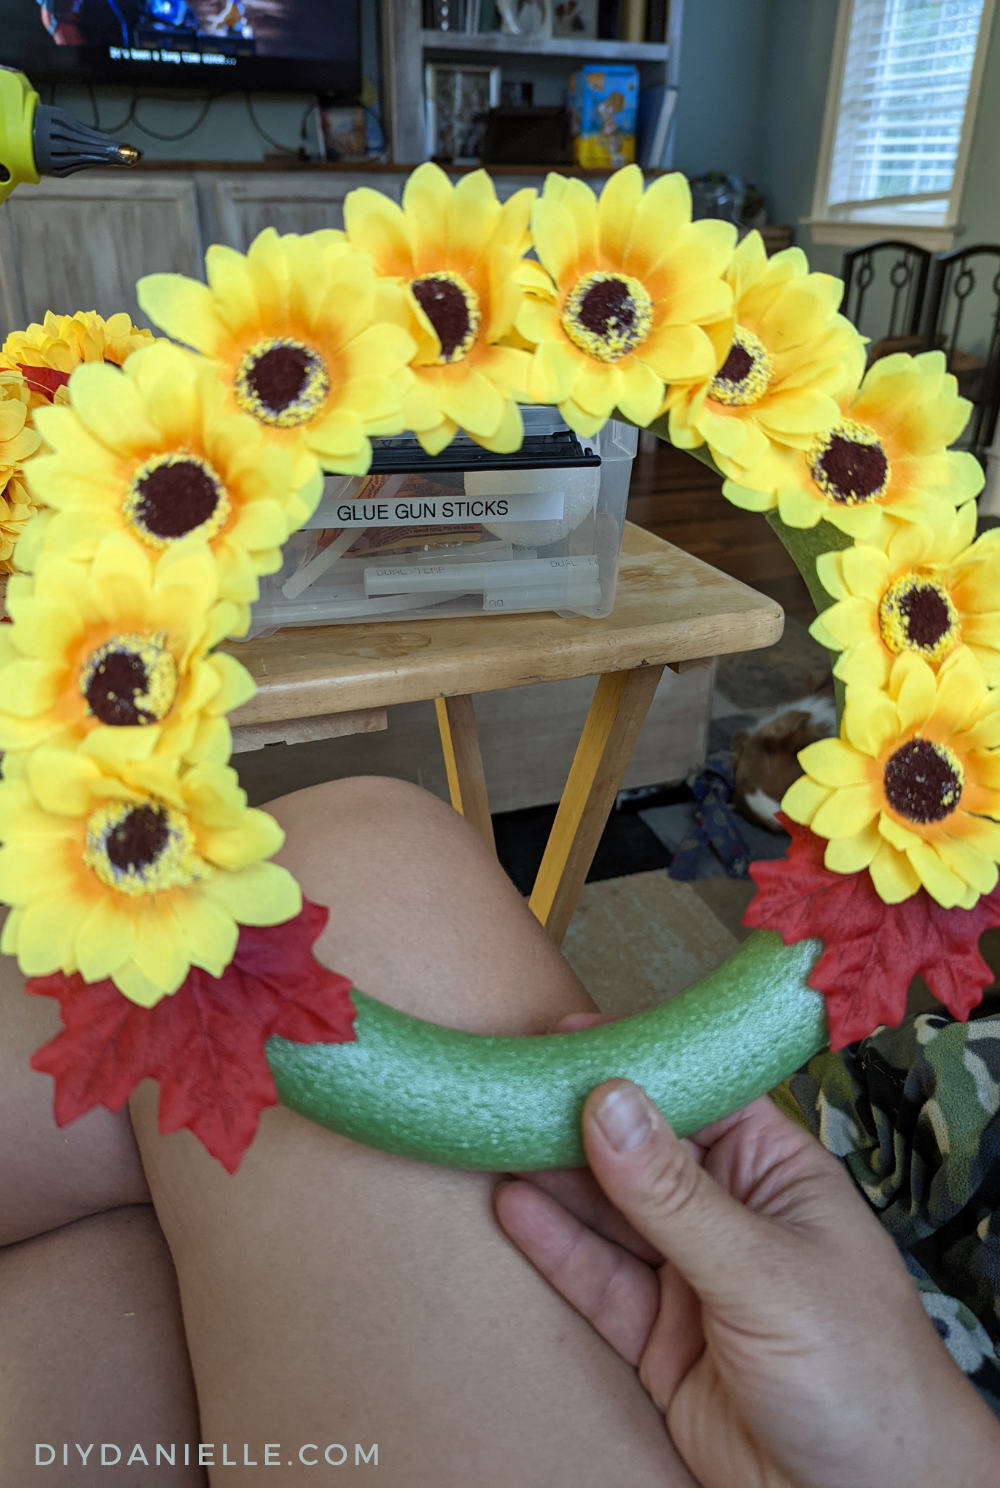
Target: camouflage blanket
[914,1114]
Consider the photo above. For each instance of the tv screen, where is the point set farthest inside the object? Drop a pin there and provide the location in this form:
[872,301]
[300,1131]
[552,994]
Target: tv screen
[312,46]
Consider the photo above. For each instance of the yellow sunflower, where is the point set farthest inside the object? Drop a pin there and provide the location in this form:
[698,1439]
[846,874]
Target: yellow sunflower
[124,870]
[448,260]
[18,441]
[117,652]
[47,353]
[293,329]
[886,455]
[922,591]
[911,788]
[792,354]
[640,299]
[154,451]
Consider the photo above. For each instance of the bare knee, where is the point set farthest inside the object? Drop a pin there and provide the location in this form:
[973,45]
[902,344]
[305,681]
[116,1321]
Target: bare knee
[421,915]
[360,817]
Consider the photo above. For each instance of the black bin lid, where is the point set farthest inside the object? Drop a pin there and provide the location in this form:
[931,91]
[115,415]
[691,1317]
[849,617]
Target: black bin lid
[554,450]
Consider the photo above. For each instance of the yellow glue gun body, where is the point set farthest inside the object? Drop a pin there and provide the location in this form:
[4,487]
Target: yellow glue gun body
[18,102]
[39,141]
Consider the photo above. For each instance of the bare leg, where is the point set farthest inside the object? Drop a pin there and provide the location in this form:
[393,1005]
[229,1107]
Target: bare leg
[48,1176]
[91,1341]
[93,1353]
[334,1295]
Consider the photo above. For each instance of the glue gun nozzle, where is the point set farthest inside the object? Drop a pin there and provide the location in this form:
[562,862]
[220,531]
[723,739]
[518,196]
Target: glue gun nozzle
[129,155]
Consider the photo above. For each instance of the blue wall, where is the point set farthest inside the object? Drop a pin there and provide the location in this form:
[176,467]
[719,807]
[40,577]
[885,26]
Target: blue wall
[753,89]
[723,73]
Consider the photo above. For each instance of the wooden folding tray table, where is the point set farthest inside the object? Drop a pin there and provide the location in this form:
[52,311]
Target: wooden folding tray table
[671,609]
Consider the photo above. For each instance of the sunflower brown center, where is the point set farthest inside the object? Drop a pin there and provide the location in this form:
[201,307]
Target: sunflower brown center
[138,840]
[139,849]
[607,315]
[746,372]
[131,679]
[174,495]
[923,781]
[282,382]
[452,309]
[849,464]
[916,614]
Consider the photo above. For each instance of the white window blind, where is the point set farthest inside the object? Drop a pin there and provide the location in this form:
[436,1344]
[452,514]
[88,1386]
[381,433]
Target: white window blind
[902,105]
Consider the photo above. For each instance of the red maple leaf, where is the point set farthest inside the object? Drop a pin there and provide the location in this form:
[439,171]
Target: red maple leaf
[205,1043]
[43,381]
[871,950]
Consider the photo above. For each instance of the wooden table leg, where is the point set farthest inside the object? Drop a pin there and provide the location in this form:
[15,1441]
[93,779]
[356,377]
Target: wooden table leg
[617,713]
[463,762]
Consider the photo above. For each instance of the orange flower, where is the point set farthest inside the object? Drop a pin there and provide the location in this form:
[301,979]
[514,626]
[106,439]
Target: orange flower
[18,441]
[47,353]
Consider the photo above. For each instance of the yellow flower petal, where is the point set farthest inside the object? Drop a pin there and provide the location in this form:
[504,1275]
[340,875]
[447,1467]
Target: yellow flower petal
[679,352]
[893,877]
[747,499]
[803,800]
[870,720]
[866,572]
[184,309]
[161,952]
[211,934]
[259,896]
[938,880]
[553,372]
[620,197]
[834,763]
[377,225]
[847,811]
[848,854]
[45,935]
[969,864]
[913,687]
[105,939]
[473,402]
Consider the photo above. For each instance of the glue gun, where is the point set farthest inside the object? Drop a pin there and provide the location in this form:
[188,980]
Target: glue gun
[37,141]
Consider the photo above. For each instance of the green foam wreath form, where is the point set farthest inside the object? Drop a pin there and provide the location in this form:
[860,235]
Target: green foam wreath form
[513,1103]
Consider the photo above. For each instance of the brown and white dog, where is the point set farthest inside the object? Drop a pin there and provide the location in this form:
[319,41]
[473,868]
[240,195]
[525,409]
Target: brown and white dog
[766,758]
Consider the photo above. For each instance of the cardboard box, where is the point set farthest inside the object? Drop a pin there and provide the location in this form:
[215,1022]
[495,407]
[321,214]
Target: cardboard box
[602,105]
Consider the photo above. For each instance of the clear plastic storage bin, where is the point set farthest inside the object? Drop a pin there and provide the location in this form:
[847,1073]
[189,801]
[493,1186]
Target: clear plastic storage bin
[463,533]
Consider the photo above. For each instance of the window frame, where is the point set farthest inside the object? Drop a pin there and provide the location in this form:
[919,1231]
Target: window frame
[934,233]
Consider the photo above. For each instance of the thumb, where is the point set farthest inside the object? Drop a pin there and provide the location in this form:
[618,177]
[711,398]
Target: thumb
[657,1184]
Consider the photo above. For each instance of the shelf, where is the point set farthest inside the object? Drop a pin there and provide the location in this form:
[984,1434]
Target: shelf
[528,46]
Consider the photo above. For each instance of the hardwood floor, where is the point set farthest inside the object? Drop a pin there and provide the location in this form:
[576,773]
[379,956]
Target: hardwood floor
[678,498]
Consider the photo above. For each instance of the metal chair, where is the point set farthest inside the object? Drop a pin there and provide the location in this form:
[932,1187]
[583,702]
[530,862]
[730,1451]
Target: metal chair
[963,319]
[895,307]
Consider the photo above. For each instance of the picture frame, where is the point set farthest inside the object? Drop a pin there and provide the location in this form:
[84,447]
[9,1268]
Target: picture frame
[575,20]
[342,133]
[457,99]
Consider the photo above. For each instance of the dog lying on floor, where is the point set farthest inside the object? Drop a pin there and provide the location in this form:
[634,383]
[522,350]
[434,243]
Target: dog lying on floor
[766,758]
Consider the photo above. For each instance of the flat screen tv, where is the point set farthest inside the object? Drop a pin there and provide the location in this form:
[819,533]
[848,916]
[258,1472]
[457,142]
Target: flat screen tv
[308,46]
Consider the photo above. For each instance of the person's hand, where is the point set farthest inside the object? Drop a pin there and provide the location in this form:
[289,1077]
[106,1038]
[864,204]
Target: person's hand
[767,1313]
